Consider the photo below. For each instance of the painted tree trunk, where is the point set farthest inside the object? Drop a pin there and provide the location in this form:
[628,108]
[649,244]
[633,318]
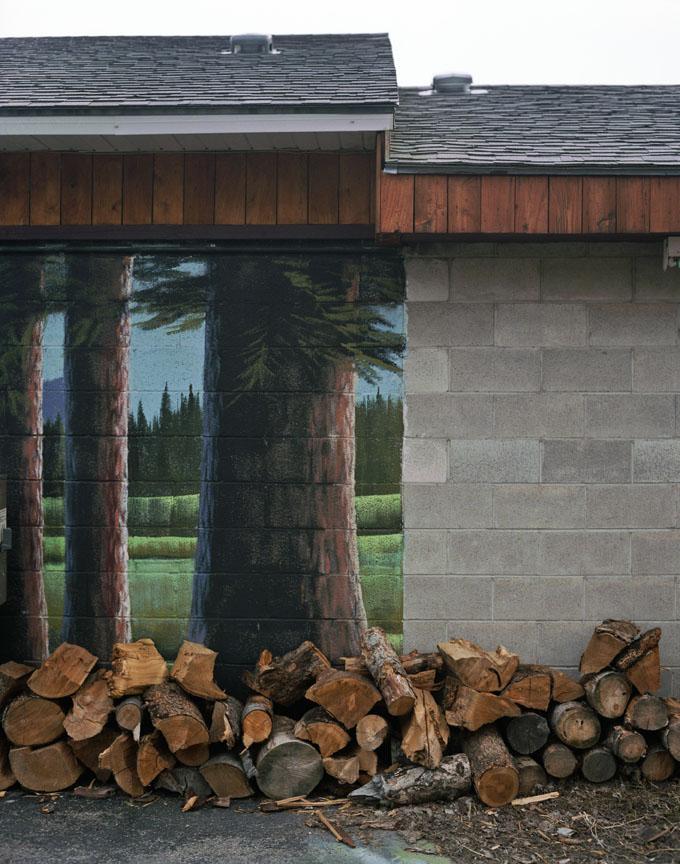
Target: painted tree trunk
[96,373]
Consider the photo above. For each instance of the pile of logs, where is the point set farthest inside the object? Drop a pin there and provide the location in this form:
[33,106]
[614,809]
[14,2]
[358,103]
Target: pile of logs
[386,728]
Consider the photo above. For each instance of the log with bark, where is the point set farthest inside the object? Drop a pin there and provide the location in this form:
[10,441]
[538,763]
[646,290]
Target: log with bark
[121,759]
[647,712]
[194,670]
[488,671]
[640,661]
[30,720]
[345,695]
[7,778]
[527,733]
[598,765]
[532,776]
[153,757]
[45,769]
[89,749]
[559,760]
[12,677]
[185,781]
[494,774]
[469,709]
[225,722]
[285,765]
[386,670]
[530,687]
[608,641]
[425,732]
[576,725]
[256,720]
[608,693]
[129,715]
[284,679]
[317,726]
[175,716]
[91,708]
[371,731]
[626,744]
[413,663]
[134,667]
[670,736]
[64,672]
[225,775]
[657,766]
[417,785]
[194,756]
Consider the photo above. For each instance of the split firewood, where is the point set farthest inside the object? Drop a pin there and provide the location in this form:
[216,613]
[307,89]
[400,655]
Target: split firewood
[225,722]
[129,714]
[12,678]
[121,759]
[134,667]
[494,774]
[45,769]
[285,679]
[657,766]
[647,712]
[564,688]
[626,744]
[193,756]
[470,709]
[194,670]
[527,733]
[531,687]
[413,663]
[317,726]
[608,640]
[598,765]
[64,672]
[487,671]
[670,736]
[637,648]
[89,749]
[387,672]
[371,731]
[425,680]
[29,720]
[346,696]
[425,732]
[576,725]
[368,761]
[641,662]
[225,775]
[153,757]
[256,720]
[184,781]
[608,693]
[7,778]
[175,716]
[559,760]
[343,767]
[285,765]
[418,785]
[532,776]
[91,708]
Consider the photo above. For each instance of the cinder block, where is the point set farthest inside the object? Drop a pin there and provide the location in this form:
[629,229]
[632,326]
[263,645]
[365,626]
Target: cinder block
[538,599]
[584,553]
[587,369]
[656,370]
[538,415]
[498,370]
[630,416]
[449,416]
[426,370]
[540,324]
[570,249]
[424,461]
[492,552]
[633,324]
[670,638]
[423,635]
[561,643]
[464,597]
[656,461]
[587,279]
[518,636]
[652,282]
[656,552]
[625,248]
[427,279]
[503,280]
[449,324]
[447,505]
[424,552]
[539,506]
[586,461]
[447,249]
[631,506]
[630,597]
[494,461]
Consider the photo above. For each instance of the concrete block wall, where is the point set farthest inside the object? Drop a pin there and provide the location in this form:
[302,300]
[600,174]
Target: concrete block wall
[542,445]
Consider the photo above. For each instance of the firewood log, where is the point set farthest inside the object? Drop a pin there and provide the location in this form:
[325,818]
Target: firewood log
[12,678]
[29,720]
[225,775]
[576,725]
[7,778]
[225,722]
[670,737]
[418,785]
[344,767]
[91,708]
[134,667]
[387,672]
[531,775]
[626,744]
[645,674]
[598,765]
[471,710]
[368,761]
[317,726]
[64,672]
[194,670]
[425,732]
[121,759]
[608,693]
[494,774]
[285,679]
[371,731]
[175,716]
[256,720]
[647,712]
[487,671]
[608,640]
[193,756]
[89,749]
[425,680]
[153,757]
[285,765]
[527,733]
[559,760]
[184,781]
[346,696]
[413,663]
[564,688]
[129,714]
[637,648]
[45,769]
[531,687]
[657,766]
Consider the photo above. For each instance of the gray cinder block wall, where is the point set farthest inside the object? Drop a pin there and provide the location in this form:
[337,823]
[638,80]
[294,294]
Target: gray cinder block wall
[542,445]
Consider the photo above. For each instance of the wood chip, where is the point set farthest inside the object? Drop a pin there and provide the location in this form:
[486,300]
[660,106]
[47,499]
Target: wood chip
[96,792]
[534,799]
[190,803]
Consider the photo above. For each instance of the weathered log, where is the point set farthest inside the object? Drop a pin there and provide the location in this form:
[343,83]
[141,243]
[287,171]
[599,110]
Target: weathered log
[413,663]
[469,709]
[344,767]
[425,732]
[559,760]
[608,640]
[637,649]
[134,667]
[256,720]
[129,714]
[657,766]
[494,774]
[598,765]
[175,716]
[670,737]
[7,778]
[647,712]
[225,722]
[64,672]
[285,765]
[153,757]
[285,679]
[183,781]
[409,785]
[91,708]
[89,749]
[346,696]
[488,671]
[626,744]
[531,687]
[576,725]
[531,775]
[317,726]
[527,733]
[194,670]
[225,775]
[29,720]
[371,731]
[387,672]
[121,759]
[12,678]
[607,693]
[564,688]
[45,769]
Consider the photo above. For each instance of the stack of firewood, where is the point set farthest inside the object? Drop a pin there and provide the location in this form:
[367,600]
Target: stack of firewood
[408,729]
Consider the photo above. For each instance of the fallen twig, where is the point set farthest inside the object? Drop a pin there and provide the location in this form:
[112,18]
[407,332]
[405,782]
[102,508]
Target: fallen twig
[534,799]
[340,836]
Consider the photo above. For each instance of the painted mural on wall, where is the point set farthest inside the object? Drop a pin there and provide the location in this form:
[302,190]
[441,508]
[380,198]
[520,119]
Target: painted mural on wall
[203,447]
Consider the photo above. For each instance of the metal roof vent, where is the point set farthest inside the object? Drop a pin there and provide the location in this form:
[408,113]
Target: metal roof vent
[451,83]
[251,43]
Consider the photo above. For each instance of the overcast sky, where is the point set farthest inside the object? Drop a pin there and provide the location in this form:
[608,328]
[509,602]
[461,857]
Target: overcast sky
[497,41]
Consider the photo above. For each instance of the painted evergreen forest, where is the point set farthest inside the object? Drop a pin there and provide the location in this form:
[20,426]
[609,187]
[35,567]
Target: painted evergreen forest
[202,447]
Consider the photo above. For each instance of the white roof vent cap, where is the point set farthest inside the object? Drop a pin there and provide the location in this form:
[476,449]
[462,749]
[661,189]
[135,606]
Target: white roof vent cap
[251,43]
[452,82]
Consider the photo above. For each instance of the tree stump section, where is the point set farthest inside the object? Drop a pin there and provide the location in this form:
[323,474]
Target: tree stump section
[346,696]
[608,640]
[257,720]
[647,713]
[64,672]
[470,709]
[317,726]
[12,677]
[576,725]
[371,731]
[626,744]
[386,670]
[134,667]
[531,687]
[89,750]
[598,765]
[194,670]
[527,733]
[559,761]
[608,693]
[657,766]
[121,759]
[45,769]
[417,785]
[225,775]
[91,708]
[30,721]
[153,757]
[285,765]
[225,722]
[494,774]
[532,776]
[175,716]
[487,671]
[285,679]
[425,732]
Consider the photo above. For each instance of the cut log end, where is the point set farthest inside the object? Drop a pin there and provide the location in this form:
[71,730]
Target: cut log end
[64,672]
[45,769]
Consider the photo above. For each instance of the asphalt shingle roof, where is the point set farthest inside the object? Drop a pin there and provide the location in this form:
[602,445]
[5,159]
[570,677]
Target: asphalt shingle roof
[142,72]
[533,129]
